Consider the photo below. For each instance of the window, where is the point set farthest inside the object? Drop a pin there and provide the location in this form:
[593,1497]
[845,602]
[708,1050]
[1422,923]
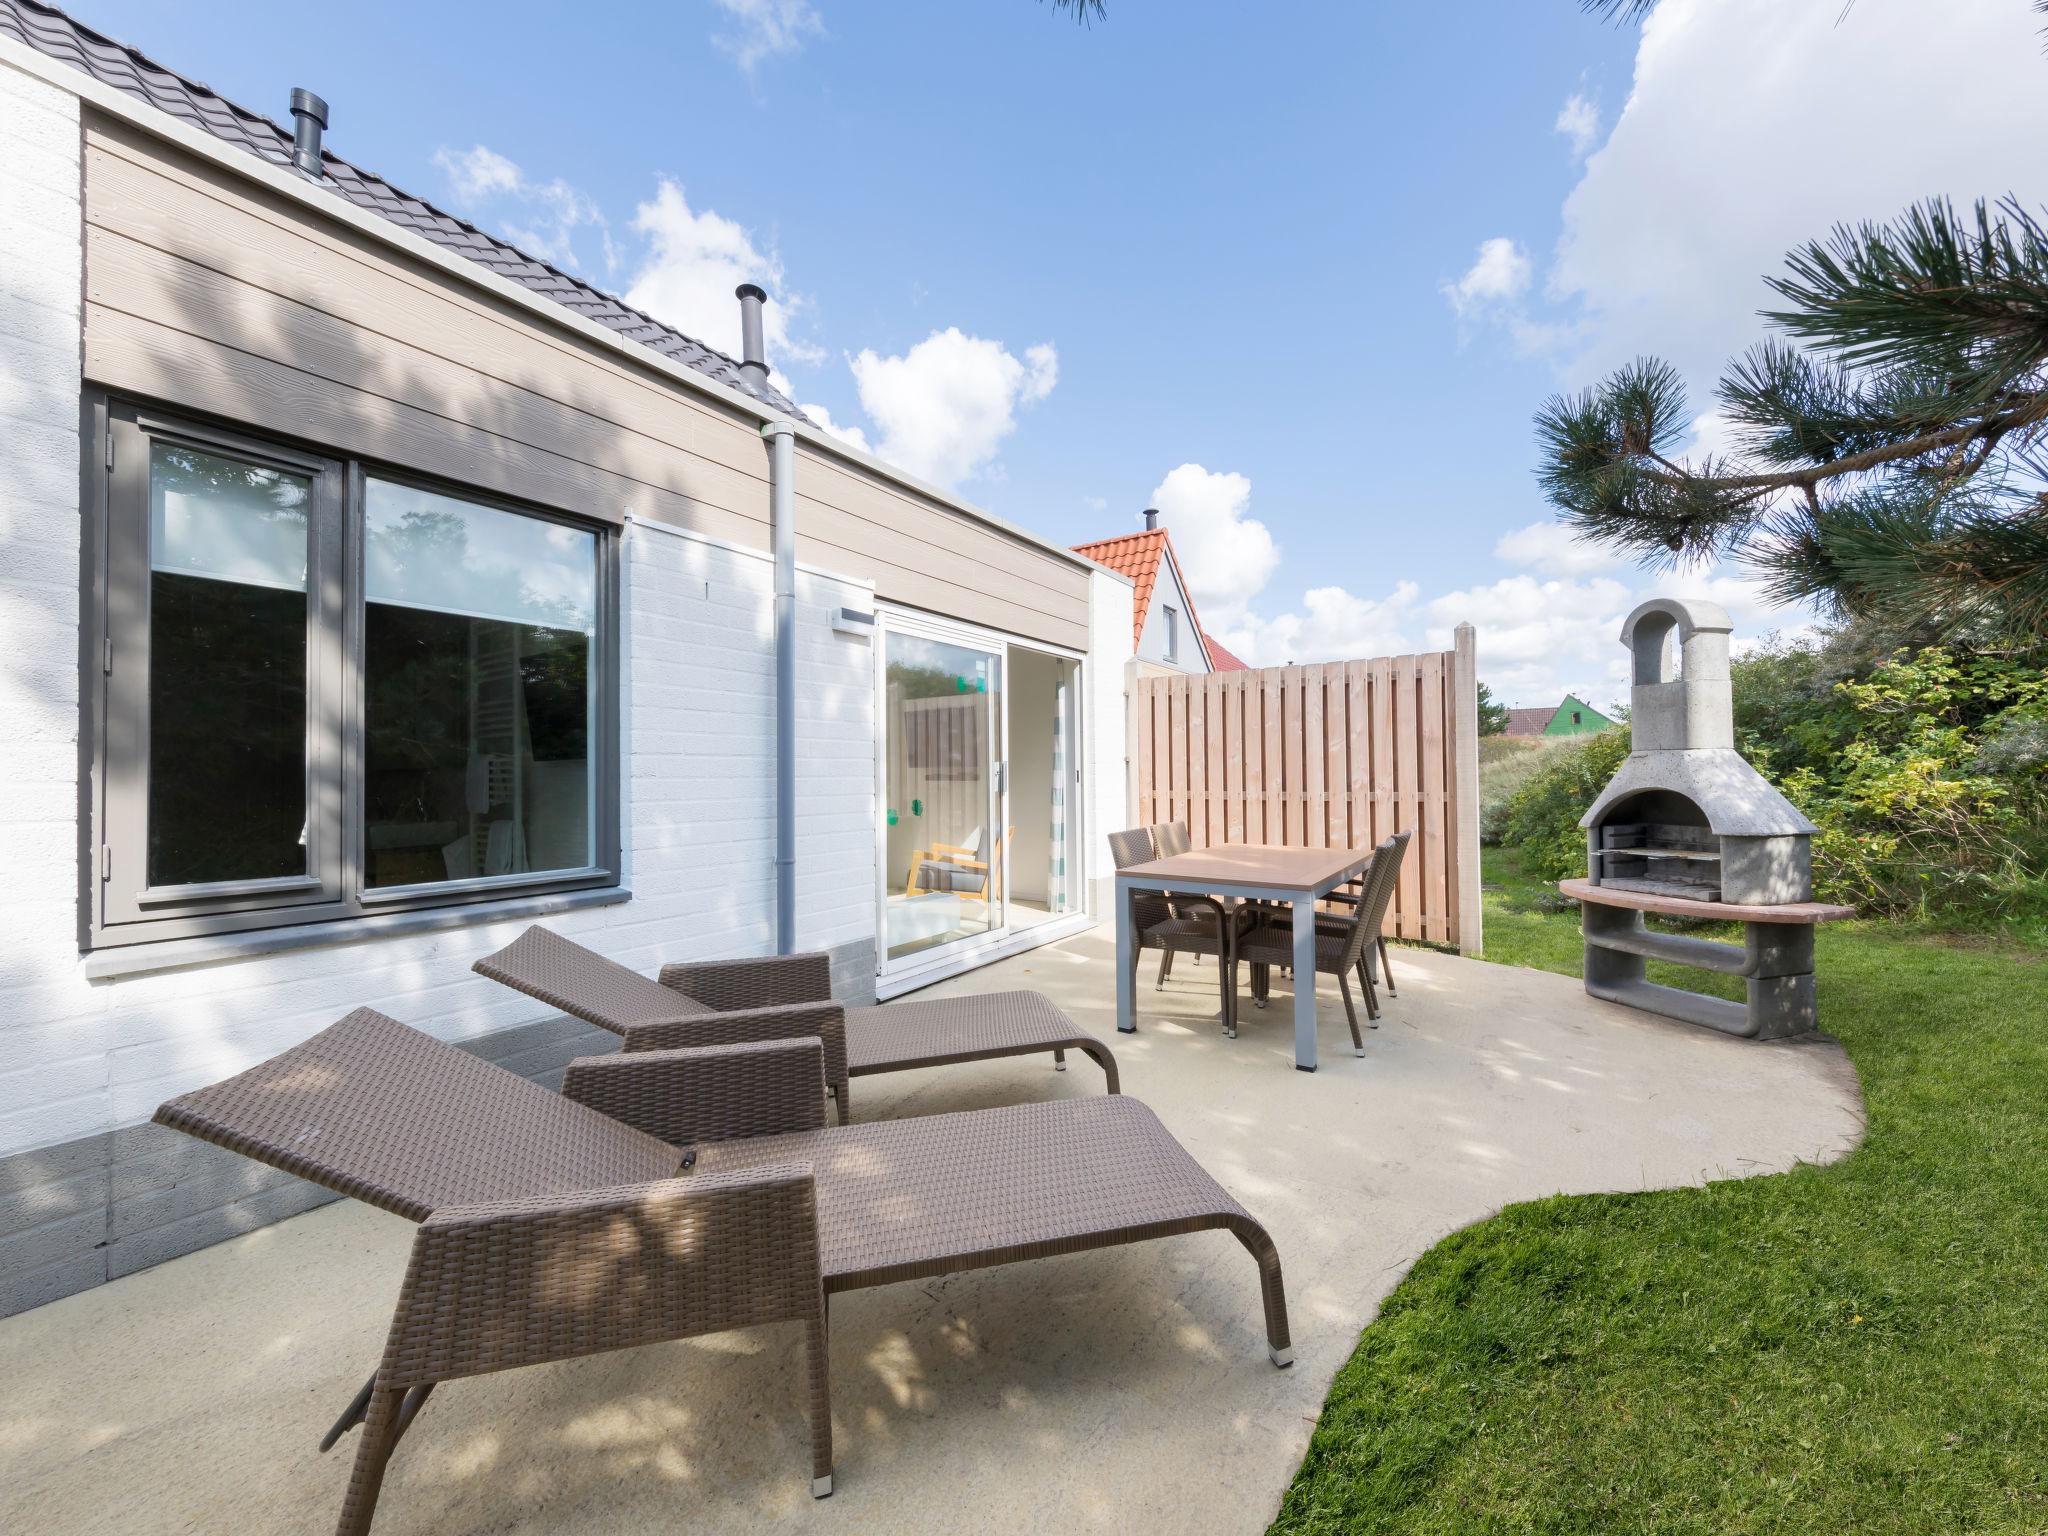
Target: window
[330,691]
[1172,634]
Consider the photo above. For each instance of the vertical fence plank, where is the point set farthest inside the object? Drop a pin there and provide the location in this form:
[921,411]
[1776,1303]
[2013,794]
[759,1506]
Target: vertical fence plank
[1337,755]
[1407,793]
[1463,709]
[1330,754]
[1314,760]
[1435,888]
[1270,691]
[1358,788]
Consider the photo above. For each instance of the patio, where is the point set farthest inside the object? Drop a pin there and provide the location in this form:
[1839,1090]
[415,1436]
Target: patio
[1123,1389]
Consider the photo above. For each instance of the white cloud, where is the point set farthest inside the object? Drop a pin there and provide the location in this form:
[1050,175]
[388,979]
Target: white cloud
[1579,121]
[765,29]
[945,406]
[1553,548]
[1702,185]
[846,433]
[694,261]
[1498,276]
[1095,503]
[1333,625]
[540,217]
[1225,555]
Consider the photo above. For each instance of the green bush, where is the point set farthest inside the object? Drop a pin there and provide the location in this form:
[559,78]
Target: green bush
[1935,804]
[1541,817]
[1927,776]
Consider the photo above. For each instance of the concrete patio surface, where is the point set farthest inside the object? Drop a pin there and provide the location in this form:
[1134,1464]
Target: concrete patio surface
[1125,1390]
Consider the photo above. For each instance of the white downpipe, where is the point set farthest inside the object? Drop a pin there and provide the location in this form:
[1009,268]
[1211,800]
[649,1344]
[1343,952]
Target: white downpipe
[781,437]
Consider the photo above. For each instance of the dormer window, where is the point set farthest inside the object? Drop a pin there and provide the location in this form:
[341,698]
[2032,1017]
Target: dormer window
[1172,633]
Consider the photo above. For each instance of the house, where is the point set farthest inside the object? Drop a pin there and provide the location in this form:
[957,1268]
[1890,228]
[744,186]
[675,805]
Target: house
[1221,660]
[373,589]
[1574,717]
[1164,628]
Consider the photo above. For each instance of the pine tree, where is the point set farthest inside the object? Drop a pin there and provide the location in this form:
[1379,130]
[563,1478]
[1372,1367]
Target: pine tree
[1493,715]
[1891,465]
[1890,459]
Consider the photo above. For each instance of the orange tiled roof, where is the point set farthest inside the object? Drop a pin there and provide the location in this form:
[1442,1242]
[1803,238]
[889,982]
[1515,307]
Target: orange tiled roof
[1221,660]
[1137,555]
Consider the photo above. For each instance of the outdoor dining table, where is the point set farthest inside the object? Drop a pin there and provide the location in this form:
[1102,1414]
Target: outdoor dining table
[1247,872]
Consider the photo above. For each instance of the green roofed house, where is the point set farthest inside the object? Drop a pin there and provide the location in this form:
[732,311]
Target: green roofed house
[1574,717]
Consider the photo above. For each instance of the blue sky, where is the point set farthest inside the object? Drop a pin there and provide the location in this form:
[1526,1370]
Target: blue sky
[1306,280]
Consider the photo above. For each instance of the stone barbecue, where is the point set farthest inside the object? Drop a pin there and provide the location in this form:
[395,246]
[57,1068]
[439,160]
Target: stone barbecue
[1687,816]
[1688,827]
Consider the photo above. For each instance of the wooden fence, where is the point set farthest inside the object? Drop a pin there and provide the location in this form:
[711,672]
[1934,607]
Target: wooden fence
[1332,754]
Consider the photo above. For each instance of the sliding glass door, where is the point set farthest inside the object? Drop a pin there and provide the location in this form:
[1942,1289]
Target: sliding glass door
[943,838]
[979,772]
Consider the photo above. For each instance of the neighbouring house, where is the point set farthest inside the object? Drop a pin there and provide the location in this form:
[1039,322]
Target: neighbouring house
[1574,717]
[1164,628]
[373,589]
[1221,660]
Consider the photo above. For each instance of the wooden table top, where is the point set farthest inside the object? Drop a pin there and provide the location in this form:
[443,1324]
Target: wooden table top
[1723,911]
[1278,869]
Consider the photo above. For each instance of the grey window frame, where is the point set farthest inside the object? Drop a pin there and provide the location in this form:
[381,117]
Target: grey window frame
[116,725]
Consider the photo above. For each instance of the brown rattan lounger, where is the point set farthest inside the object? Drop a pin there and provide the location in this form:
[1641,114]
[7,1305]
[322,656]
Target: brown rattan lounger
[778,996]
[667,1194]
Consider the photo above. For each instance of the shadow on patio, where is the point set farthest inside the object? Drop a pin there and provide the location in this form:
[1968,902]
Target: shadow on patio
[1121,1389]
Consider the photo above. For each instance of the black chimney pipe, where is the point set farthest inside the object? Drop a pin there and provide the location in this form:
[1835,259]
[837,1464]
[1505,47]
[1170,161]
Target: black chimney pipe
[753,350]
[1151,518]
[310,115]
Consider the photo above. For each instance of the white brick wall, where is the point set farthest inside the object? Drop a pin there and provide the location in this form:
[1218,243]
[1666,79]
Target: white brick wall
[48,1081]
[1111,609]
[80,1057]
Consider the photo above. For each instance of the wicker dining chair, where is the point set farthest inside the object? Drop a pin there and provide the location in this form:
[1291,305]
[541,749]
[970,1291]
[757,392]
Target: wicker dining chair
[1357,896]
[1344,944]
[668,1194]
[1186,925]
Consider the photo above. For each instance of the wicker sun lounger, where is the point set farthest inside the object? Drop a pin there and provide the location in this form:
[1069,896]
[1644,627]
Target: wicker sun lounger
[667,1194]
[778,996]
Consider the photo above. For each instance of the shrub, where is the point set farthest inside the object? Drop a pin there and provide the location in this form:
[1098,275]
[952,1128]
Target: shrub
[1541,816]
[1927,777]
[1505,764]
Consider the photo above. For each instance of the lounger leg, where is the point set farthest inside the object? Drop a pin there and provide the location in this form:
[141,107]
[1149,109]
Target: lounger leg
[380,1434]
[1279,1343]
[842,1097]
[1350,1013]
[1107,1062]
[1386,970]
[1165,970]
[818,1369]
[351,1416]
[1059,1060]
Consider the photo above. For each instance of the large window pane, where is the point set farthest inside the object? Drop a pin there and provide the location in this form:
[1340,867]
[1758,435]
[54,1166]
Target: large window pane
[480,687]
[227,669]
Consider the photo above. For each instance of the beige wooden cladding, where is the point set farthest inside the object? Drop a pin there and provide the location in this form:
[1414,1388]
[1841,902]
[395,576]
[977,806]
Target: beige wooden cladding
[210,293]
[1340,753]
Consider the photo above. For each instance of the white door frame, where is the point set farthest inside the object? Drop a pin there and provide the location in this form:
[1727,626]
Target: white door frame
[926,966]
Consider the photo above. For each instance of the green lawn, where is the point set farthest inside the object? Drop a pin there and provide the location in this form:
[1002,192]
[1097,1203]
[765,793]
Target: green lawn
[1857,1348]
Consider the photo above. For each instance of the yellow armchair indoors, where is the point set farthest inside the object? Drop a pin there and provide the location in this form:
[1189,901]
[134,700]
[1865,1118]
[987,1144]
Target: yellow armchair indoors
[964,872]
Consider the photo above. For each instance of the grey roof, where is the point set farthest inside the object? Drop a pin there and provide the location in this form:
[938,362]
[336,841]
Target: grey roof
[52,33]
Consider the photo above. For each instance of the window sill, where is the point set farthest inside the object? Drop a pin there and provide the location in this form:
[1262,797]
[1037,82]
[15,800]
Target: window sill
[214,949]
